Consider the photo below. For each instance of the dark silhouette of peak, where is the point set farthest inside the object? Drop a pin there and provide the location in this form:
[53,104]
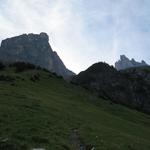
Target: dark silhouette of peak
[100,67]
[130,88]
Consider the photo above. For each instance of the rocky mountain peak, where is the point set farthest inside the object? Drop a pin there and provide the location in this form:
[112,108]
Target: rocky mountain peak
[125,63]
[123,58]
[44,36]
[34,49]
[143,62]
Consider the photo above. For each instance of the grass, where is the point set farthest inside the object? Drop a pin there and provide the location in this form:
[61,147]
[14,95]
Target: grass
[44,112]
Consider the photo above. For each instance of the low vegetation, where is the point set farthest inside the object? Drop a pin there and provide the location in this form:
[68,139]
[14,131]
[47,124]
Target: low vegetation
[40,110]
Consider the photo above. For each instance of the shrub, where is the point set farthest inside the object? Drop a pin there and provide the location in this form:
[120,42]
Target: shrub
[6,78]
[35,77]
[12,145]
[38,139]
[45,70]
[22,66]
[2,66]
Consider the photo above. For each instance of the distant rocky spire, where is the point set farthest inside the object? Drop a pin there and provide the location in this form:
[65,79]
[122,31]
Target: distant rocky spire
[125,63]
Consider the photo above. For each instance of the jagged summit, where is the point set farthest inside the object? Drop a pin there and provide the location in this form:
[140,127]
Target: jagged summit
[125,63]
[35,49]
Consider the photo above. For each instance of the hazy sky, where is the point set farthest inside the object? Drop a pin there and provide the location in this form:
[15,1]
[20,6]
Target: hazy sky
[83,31]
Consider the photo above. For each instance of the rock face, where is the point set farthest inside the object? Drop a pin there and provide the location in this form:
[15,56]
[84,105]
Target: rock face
[34,49]
[125,63]
[127,88]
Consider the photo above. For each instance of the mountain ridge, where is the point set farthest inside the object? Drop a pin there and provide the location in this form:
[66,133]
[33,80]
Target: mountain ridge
[125,63]
[130,88]
[34,49]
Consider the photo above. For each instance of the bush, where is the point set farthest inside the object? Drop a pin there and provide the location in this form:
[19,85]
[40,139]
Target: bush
[59,77]
[12,145]
[54,74]
[35,77]
[6,78]
[2,66]
[22,66]
[45,70]
[40,140]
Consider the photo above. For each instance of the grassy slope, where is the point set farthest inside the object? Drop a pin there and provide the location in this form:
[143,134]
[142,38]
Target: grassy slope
[43,114]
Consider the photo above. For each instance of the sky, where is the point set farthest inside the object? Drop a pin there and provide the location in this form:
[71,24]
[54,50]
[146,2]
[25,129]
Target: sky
[83,32]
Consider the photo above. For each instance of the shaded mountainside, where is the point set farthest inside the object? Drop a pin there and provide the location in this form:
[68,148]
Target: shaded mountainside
[125,87]
[40,110]
[139,72]
[34,49]
[125,63]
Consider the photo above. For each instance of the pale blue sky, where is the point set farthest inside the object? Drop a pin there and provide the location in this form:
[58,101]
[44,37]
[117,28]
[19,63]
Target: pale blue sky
[83,31]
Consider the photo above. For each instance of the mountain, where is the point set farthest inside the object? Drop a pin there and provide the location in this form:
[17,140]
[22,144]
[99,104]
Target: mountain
[41,110]
[34,49]
[127,88]
[139,72]
[125,63]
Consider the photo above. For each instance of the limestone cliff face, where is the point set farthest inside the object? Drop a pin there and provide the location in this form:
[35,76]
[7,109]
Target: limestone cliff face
[34,49]
[125,63]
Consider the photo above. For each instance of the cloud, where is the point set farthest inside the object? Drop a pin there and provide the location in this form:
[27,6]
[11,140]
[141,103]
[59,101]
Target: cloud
[82,32]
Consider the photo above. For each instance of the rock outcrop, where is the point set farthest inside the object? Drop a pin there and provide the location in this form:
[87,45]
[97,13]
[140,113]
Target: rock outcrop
[127,88]
[125,63]
[34,49]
